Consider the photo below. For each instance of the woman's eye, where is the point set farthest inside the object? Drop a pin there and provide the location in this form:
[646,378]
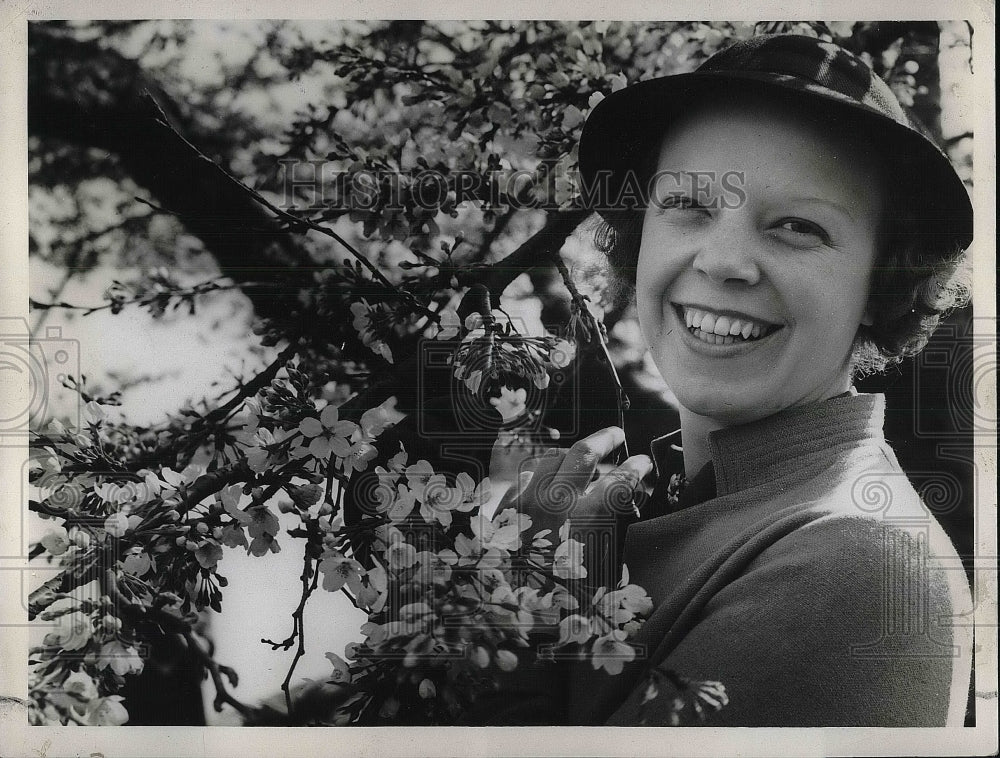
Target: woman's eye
[801,228]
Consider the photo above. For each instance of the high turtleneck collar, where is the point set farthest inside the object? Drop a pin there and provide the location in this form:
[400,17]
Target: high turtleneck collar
[751,454]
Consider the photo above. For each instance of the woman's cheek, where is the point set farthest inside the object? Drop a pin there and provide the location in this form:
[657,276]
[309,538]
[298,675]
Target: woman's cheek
[649,308]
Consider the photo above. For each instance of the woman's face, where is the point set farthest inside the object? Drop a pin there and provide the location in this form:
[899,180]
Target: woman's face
[767,236]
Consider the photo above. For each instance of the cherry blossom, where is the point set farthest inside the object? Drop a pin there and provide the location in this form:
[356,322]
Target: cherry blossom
[137,562]
[258,455]
[426,689]
[328,434]
[611,652]
[81,685]
[374,590]
[505,529]
[258,519]
[473,379]
[400,555]
[117,524]
[338,570]
[568,560]
[94,413]
[73,629]
[418,474]
[107,711]
[562,354]
[437,499]
[174,483]
[358,456]
[56,540]
[401,505]
[341,670]
[511,404]
[436,567]
[208,554]
[574,629]
[506,660]
[369,323]
[449,325]
[121,658]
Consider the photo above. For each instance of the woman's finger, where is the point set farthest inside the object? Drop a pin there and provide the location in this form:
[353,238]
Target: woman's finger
[559,481]
[539,495]
[581,459]
[547,461]
[613,492]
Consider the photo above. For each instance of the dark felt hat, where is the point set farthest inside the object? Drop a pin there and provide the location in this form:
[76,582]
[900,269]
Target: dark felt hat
[624,127]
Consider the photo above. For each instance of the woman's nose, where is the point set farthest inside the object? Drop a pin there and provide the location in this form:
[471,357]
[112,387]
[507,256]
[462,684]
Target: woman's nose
[729,254]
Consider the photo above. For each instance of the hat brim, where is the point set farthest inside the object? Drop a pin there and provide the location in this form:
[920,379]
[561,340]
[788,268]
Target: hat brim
[627,125]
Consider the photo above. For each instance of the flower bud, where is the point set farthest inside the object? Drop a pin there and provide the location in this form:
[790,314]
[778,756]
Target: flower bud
[112,624]
[480,656]
[476,300]
[506,660]
[389,708]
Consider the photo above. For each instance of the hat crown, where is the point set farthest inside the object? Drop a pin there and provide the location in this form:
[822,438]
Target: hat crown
[823,64]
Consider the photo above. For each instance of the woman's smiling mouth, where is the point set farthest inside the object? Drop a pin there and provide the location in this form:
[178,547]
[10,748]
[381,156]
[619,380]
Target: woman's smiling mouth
[713,328]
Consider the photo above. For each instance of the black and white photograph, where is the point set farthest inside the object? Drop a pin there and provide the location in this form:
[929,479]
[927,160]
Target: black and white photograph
[497,377]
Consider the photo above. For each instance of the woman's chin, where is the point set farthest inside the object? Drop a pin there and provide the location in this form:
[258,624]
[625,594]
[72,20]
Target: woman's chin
[727,408]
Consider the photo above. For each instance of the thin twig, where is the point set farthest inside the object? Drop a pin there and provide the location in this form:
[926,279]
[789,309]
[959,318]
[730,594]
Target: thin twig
[597,329]
[309,578]
[198,426]
[222,694]
[349,596]
[255,385]
[202,288]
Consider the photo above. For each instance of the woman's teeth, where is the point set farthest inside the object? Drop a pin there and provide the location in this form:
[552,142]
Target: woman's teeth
[721,330]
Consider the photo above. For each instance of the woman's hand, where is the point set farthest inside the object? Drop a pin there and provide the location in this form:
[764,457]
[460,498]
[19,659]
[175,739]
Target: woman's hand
[559,484]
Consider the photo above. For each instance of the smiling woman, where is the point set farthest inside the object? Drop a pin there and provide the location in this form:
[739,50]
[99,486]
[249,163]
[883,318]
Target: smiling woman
[791,264]
[793,561]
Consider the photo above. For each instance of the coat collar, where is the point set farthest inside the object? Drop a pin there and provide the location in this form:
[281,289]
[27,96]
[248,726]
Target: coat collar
[751,454]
